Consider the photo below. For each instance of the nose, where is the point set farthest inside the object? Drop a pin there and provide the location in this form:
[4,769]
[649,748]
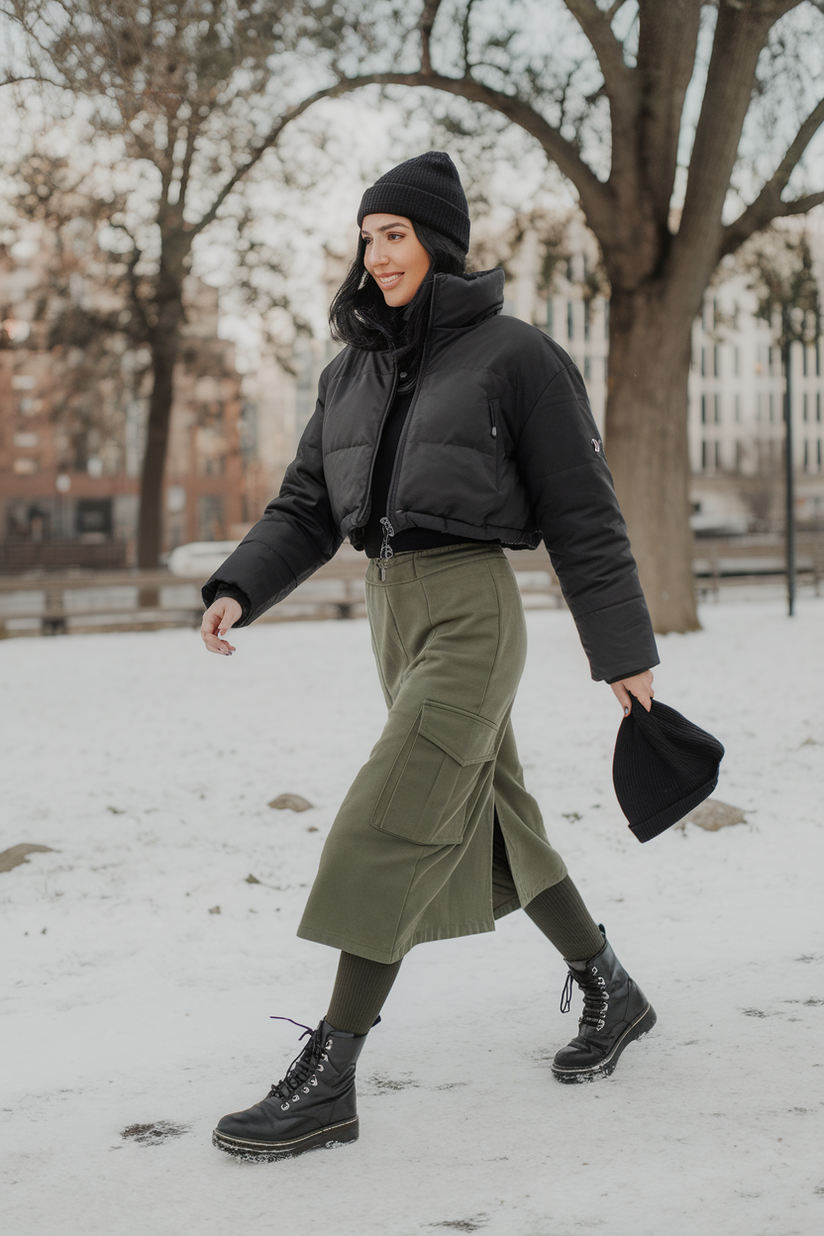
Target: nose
[377,255]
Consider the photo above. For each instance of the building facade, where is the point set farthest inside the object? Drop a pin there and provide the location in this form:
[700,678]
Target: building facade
[73,424]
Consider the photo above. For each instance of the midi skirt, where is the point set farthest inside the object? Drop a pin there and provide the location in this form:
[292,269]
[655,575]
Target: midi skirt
[409,856]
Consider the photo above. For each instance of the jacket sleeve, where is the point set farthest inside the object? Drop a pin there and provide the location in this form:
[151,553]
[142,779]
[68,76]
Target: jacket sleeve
[295,536]
[561,460]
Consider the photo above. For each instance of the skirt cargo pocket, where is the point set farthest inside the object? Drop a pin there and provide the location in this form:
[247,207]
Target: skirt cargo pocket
[425,795]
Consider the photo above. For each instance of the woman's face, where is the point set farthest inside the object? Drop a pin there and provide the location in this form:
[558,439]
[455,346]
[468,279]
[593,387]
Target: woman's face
[394,257]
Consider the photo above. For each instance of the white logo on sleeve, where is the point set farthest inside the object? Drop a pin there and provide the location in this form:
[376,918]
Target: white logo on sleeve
[596,445]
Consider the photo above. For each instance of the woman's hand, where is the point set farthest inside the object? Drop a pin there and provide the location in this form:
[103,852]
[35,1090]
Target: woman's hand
[639,686]
[221,615]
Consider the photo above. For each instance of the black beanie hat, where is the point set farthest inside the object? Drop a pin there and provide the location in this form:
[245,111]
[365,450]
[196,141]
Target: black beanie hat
[663,767]
[426,189]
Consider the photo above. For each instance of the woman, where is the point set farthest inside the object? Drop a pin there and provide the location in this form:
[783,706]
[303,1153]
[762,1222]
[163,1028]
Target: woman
[443,432]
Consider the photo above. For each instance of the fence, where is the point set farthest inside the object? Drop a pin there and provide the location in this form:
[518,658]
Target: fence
[80,602]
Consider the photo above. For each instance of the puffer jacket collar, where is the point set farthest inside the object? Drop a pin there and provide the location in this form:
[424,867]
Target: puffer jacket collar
[461,301]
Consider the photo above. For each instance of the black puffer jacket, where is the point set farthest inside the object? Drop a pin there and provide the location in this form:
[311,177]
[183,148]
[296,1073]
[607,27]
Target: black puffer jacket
[500,444]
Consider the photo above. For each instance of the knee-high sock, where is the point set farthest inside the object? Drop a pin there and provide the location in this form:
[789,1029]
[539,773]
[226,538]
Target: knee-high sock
[361,986]
[562,916]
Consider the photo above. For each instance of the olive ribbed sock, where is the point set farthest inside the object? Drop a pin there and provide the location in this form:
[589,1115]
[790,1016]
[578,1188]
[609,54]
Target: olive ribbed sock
[561,915]
[361,987]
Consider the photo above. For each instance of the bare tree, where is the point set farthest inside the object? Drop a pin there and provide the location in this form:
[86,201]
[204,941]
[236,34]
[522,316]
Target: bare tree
[605,97]
[183,99]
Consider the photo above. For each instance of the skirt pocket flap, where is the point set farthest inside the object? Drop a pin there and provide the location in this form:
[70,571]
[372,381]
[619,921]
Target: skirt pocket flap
[469,739]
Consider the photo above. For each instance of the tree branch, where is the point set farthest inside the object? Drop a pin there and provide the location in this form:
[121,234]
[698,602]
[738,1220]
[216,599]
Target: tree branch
[596,197]
[621,86]
[597,26]
[741,32]
[131,276]
[768,204]
[345,86]
[667,41]
[430,12]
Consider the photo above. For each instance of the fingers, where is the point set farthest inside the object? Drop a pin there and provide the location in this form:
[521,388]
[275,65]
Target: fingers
[623,696]
[638,687]
[218,619]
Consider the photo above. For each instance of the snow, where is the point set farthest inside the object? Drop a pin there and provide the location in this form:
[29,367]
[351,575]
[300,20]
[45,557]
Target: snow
[147,765]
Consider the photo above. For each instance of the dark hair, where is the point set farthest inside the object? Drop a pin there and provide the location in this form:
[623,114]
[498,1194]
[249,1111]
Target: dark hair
[360,316]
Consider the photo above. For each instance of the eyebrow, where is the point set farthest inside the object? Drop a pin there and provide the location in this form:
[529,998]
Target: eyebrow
[387,227]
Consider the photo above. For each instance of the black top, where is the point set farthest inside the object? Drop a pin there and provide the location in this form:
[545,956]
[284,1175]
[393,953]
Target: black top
[411,538]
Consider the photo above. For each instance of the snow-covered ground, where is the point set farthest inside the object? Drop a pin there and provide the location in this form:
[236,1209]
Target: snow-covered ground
[127,999]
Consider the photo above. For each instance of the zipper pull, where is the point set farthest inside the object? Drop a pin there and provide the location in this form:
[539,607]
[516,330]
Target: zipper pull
[387,551]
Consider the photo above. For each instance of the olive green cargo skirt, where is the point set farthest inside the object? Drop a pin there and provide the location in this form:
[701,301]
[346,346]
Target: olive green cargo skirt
[410,855]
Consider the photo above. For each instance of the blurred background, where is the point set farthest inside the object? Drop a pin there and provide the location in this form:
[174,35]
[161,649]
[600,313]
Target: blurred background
[179,189]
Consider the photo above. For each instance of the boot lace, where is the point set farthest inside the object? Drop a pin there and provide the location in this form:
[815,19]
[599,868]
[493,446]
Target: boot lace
[305,1066]
[596,996]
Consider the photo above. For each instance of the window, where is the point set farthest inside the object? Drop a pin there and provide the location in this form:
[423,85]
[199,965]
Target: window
[570,320]
[716,361]
[737,409]
[705,454]
[587,368]
[806,455]
[703,362]
[818,407]
[703,409]
[805,412]
[549,316]
[759,403]
[93,516]
[804,351]
[717,409]
[717,454]
[587,317]
[736,359]
[772,404]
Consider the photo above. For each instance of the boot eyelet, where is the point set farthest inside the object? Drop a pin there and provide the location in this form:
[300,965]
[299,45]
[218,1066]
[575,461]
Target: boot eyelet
[284,1107]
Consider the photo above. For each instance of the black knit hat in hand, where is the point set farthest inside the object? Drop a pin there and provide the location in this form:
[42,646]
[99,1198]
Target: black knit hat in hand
[426,189]
[663,767]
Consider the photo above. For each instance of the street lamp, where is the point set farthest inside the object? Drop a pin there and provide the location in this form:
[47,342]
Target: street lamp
[795,328]
[784,279]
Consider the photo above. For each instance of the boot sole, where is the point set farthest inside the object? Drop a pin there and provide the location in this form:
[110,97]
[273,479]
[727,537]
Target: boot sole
[267,1152]
[641,1026]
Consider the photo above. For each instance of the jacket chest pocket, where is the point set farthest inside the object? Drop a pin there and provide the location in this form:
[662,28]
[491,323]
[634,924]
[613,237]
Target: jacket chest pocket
[432,780]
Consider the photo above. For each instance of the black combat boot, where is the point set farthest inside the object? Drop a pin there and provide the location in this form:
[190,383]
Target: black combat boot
[315,1104]
[615,1013]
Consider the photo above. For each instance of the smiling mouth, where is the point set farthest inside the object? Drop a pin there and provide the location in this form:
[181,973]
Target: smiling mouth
[387,280]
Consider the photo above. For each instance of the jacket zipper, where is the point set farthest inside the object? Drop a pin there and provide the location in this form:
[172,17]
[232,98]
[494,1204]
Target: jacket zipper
[387,551]
[363,518]
[386,523]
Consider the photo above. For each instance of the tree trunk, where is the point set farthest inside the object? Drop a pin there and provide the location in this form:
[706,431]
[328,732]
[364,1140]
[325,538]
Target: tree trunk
[647,445]
[165,345]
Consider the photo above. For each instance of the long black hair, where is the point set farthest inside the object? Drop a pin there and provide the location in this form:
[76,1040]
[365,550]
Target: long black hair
[360,316]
